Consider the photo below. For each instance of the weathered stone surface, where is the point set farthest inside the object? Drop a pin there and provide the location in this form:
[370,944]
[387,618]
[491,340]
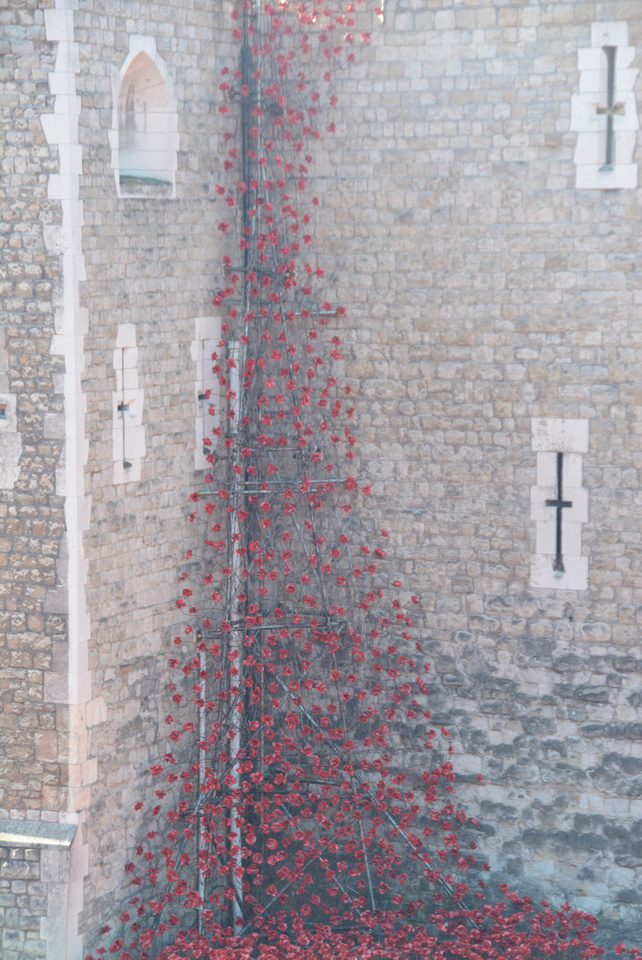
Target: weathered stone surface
[494,301]
[31,514]
[482,290]
[20,914]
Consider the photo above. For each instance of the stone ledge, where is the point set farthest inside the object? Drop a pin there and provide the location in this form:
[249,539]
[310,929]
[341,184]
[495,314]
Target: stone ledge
[35,833]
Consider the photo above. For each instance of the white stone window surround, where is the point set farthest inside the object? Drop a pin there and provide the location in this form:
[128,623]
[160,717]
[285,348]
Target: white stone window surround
[128,432]
[207,335]
[591,173]
[550,437]
[163,155]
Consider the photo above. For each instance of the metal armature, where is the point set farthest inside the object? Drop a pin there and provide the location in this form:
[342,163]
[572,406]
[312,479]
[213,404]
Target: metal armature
[246,488]
[252,464]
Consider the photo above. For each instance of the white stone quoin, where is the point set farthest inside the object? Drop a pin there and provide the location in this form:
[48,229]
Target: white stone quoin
[550,437]
[591,126]
[207,334]
[60,929]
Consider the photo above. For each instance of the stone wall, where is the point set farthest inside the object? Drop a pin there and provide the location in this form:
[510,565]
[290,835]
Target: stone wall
[153,263]
[23,904]
[34,885]
[78,263]
[32,638]
[483,290]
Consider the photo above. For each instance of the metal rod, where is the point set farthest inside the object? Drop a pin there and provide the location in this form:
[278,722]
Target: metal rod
[236,644]
[202,765]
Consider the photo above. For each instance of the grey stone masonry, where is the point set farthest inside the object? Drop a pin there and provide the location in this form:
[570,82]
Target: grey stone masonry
[32,523]
[34,869]
[485,291]
[23,903]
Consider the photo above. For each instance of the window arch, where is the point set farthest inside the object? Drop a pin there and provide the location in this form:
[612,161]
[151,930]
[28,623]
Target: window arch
[144,126]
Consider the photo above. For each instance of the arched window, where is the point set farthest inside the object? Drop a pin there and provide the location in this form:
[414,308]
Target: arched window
[146,140]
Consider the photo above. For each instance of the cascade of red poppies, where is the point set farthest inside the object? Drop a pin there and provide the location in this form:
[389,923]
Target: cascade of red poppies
[284,821]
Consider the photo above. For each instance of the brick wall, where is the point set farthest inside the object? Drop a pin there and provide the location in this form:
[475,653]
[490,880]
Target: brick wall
[34,875]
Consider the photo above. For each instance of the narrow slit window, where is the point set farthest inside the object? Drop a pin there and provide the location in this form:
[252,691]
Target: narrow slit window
[205,348]
[611,110]
[128,431]
[126,409]
[559,505]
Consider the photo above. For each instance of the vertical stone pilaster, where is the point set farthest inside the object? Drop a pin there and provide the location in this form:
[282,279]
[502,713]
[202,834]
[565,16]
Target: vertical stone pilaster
[570,438]
[70,684]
